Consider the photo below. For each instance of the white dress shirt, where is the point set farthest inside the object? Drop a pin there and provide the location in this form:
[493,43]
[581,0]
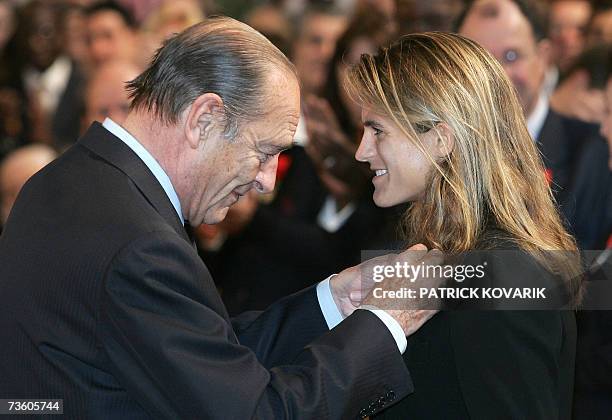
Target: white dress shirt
[536,119]
[331,313]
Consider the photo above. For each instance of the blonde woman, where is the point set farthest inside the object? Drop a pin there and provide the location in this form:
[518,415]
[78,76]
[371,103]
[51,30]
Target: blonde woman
[445,131]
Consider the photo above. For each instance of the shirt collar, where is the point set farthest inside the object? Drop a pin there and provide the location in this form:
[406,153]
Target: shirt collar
[536,119]
[148,160]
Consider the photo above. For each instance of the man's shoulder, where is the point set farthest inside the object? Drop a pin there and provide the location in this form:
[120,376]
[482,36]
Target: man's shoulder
[556,125]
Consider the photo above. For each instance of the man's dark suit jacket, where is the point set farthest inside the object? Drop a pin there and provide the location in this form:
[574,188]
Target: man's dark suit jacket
[560,141]
[589,205]
[106,304]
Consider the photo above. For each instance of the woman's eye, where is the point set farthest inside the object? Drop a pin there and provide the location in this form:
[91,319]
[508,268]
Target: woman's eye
[377,131]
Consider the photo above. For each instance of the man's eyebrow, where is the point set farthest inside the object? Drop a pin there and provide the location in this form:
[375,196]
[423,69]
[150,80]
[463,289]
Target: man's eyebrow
[275,149]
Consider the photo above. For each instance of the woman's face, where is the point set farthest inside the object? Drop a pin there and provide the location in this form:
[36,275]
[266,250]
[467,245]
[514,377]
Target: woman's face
[401,171]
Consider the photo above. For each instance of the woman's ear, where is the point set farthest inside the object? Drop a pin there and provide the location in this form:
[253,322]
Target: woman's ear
[444,140]
[204,114]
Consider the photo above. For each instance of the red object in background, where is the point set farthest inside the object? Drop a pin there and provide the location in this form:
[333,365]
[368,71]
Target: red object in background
[609,244]
[549,175]
[284,163]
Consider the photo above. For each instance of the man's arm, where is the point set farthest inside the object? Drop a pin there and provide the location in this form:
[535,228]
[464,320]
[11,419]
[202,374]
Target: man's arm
[279,333]
[170,345]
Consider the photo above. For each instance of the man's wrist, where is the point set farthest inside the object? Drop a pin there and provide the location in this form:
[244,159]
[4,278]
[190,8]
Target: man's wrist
[328,304]
[392,325]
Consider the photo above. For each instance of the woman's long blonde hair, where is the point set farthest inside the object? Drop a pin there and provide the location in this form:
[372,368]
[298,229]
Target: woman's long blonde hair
[494,175]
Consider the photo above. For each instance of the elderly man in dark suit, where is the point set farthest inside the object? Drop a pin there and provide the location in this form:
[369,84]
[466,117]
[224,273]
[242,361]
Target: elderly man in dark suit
[105,302]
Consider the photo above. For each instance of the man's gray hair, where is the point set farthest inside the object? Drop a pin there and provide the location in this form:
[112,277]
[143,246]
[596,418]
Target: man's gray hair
[219,55]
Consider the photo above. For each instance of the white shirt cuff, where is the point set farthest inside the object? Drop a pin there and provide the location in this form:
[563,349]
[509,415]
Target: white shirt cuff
[331,313]
[333,317]
[394,327]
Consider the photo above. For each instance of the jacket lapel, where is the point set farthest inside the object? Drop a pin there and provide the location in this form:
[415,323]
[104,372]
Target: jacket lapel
[110,148]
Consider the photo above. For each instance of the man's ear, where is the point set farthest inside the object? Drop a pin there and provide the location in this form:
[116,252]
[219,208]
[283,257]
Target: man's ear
[444,140]
[544,51]
[202,116]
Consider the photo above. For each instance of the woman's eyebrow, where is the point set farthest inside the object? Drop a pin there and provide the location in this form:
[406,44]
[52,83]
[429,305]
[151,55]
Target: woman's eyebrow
[371,123]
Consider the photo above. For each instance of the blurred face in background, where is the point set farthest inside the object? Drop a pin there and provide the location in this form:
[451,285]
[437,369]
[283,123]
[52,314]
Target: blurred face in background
[110,37]
[501,28]
[76,36]
[41,34]
[568,24]
[106,94]
[359,46]
[601,28]
[429,15]
[315,47]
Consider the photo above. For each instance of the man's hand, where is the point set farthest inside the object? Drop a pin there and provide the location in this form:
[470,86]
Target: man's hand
[353,287]
[574,98]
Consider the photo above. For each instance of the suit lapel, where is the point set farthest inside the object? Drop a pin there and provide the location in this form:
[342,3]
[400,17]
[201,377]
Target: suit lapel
[117,153]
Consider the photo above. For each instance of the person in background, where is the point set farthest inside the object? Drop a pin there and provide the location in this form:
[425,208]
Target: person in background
[106,95]
[75,28]
[49,82]
[316,33]
[169,18]
[16,169]
[593,190]
[586,207]
[111,33]
[431,15]
[271,21]
[600,27]
[576,97]
[569,20]
[515,32]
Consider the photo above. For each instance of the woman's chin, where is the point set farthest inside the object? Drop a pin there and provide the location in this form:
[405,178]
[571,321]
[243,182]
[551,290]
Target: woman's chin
[388,200]
[382,201]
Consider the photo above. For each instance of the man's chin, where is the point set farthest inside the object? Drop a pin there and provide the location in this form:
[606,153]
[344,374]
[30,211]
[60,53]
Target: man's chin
[215,216]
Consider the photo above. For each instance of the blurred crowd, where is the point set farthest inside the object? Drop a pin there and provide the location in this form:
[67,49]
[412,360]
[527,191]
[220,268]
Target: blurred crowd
[64,65]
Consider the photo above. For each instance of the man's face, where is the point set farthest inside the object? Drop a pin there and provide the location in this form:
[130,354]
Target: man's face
[109,38]
[315,47]
[43,37]
[568,22]
[106,94]
[601,28]
[500,27]
[229,168]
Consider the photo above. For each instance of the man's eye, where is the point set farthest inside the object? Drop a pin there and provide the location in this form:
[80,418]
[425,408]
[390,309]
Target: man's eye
[377,131]
[511,56]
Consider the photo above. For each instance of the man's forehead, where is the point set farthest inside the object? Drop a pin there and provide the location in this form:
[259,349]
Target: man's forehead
[504,14]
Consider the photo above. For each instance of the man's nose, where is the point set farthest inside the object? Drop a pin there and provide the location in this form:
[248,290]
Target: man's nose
[266,178]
